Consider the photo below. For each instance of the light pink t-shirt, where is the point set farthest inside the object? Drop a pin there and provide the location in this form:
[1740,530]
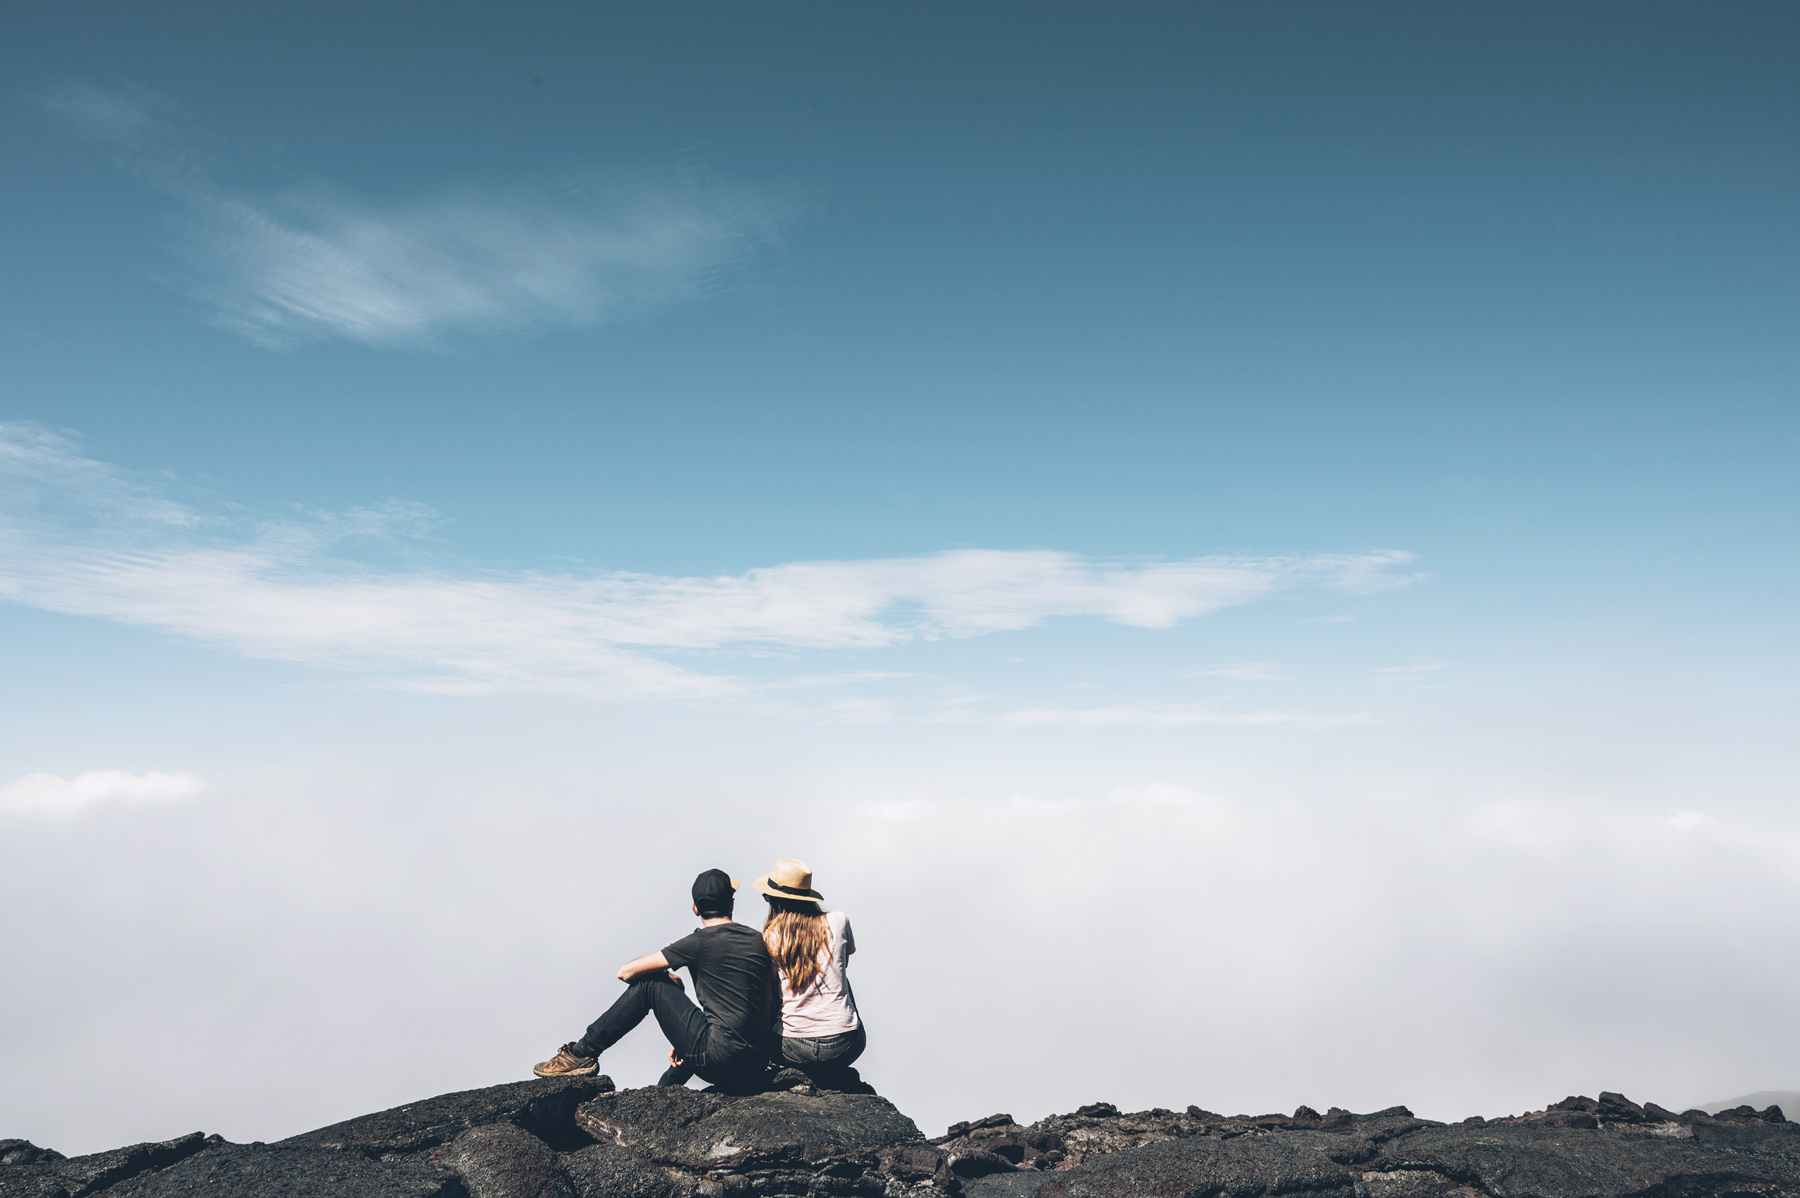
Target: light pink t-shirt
[827,1008]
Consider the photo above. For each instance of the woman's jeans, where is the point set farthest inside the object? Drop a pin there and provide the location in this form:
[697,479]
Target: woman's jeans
[827,1059]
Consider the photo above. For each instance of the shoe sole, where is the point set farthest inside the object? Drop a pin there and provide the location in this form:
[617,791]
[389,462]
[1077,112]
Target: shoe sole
[589,1071]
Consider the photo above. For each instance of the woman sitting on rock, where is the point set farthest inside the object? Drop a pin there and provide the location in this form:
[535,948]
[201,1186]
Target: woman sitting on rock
[821,1033]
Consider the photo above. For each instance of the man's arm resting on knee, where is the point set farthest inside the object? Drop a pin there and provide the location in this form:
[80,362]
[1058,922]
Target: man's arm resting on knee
[646,964]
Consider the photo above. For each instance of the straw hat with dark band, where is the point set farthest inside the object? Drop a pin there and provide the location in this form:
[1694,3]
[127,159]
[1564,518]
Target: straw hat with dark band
[789,879]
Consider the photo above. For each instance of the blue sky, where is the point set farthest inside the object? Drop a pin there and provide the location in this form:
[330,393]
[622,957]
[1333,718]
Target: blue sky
[1174,489]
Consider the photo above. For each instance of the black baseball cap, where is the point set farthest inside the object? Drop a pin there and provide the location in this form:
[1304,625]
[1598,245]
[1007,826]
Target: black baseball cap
[714,889]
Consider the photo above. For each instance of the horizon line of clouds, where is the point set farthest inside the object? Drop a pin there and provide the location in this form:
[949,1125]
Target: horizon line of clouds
[85,538]
[318,262]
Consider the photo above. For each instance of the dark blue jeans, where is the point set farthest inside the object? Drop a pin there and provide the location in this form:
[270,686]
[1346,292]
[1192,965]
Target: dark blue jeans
[682,1023]
[827,1059]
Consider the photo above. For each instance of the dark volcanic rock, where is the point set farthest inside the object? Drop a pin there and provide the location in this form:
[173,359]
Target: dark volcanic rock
[978,1162]
[31,1181]
[1616,1108]
[608,1171]
[27,1171]
[996,1145]
[503,1161]
[545,1107]
[1060,1140]
[46,1174]
[1537,1158]
[766,1144]
[259,1171]
[87,1174]
[576,1138]
[1577,1148]
[707,1131]
[1022,1183]
[652,1122]
[1295,1162]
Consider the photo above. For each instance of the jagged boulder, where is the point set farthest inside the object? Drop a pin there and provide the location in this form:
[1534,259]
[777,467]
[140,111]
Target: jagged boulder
[1551,1160]
[699,1130]
[1577,1148]
[32,1172]
[608,1171]
[267,1171]
[501,1160]
[774,1143]
[24,1152]
[1295,1162]
[545,1107]
[996,1144]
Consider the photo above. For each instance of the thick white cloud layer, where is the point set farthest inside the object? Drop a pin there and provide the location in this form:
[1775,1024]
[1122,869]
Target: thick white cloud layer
[47,794]
[1148,943]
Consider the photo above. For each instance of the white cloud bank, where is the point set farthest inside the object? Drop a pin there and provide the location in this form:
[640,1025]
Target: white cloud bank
[79,536]
[48,794]
[1523,948]
[319,262]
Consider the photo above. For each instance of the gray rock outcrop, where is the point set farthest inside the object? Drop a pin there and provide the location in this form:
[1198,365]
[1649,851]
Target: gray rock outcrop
[581,1138]
[567,1138]
[1580,1147]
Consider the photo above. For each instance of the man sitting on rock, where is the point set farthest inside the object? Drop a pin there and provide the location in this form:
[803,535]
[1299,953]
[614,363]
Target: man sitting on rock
[731,1037]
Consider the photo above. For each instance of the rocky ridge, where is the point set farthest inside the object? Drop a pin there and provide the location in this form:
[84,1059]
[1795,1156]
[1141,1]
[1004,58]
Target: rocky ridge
[582,1138]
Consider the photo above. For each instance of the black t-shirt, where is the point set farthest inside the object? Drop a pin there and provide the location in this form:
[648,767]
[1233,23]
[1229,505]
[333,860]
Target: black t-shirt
[737,987]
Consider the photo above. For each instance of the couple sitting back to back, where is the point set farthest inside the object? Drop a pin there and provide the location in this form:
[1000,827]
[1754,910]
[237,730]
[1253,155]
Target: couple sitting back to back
[774,999]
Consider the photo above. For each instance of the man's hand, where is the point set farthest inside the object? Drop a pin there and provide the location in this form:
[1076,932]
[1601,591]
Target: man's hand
[675,1062]
[676,978]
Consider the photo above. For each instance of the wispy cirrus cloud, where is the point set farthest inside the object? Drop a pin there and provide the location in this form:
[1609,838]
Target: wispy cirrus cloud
[83,537]
[316,261]
[1245,671]
[1168,715]
[1413,677]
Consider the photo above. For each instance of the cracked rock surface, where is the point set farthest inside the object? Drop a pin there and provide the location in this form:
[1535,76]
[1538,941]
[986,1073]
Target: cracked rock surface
[545,1138]
[580,1138]
[1577,1148]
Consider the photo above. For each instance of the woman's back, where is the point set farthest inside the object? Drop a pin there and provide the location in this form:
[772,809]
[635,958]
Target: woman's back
[821,1032]
[824,1005]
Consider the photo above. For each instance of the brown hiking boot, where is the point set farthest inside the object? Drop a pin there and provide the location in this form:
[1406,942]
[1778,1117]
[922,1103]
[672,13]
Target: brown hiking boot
[566,1064]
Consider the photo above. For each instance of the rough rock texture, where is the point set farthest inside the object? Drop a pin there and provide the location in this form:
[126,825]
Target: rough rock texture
[543,1107]
[608,1171]
[1100,1129]
[504,1161]
[578,1138]
[1581,1147]
[263,1171]
[27,1170]
[1295,1162]
[774,1143]
[566,1138]
[1573,1162]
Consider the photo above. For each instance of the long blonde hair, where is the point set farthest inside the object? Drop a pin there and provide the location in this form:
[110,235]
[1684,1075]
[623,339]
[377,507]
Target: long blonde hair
[797,936]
